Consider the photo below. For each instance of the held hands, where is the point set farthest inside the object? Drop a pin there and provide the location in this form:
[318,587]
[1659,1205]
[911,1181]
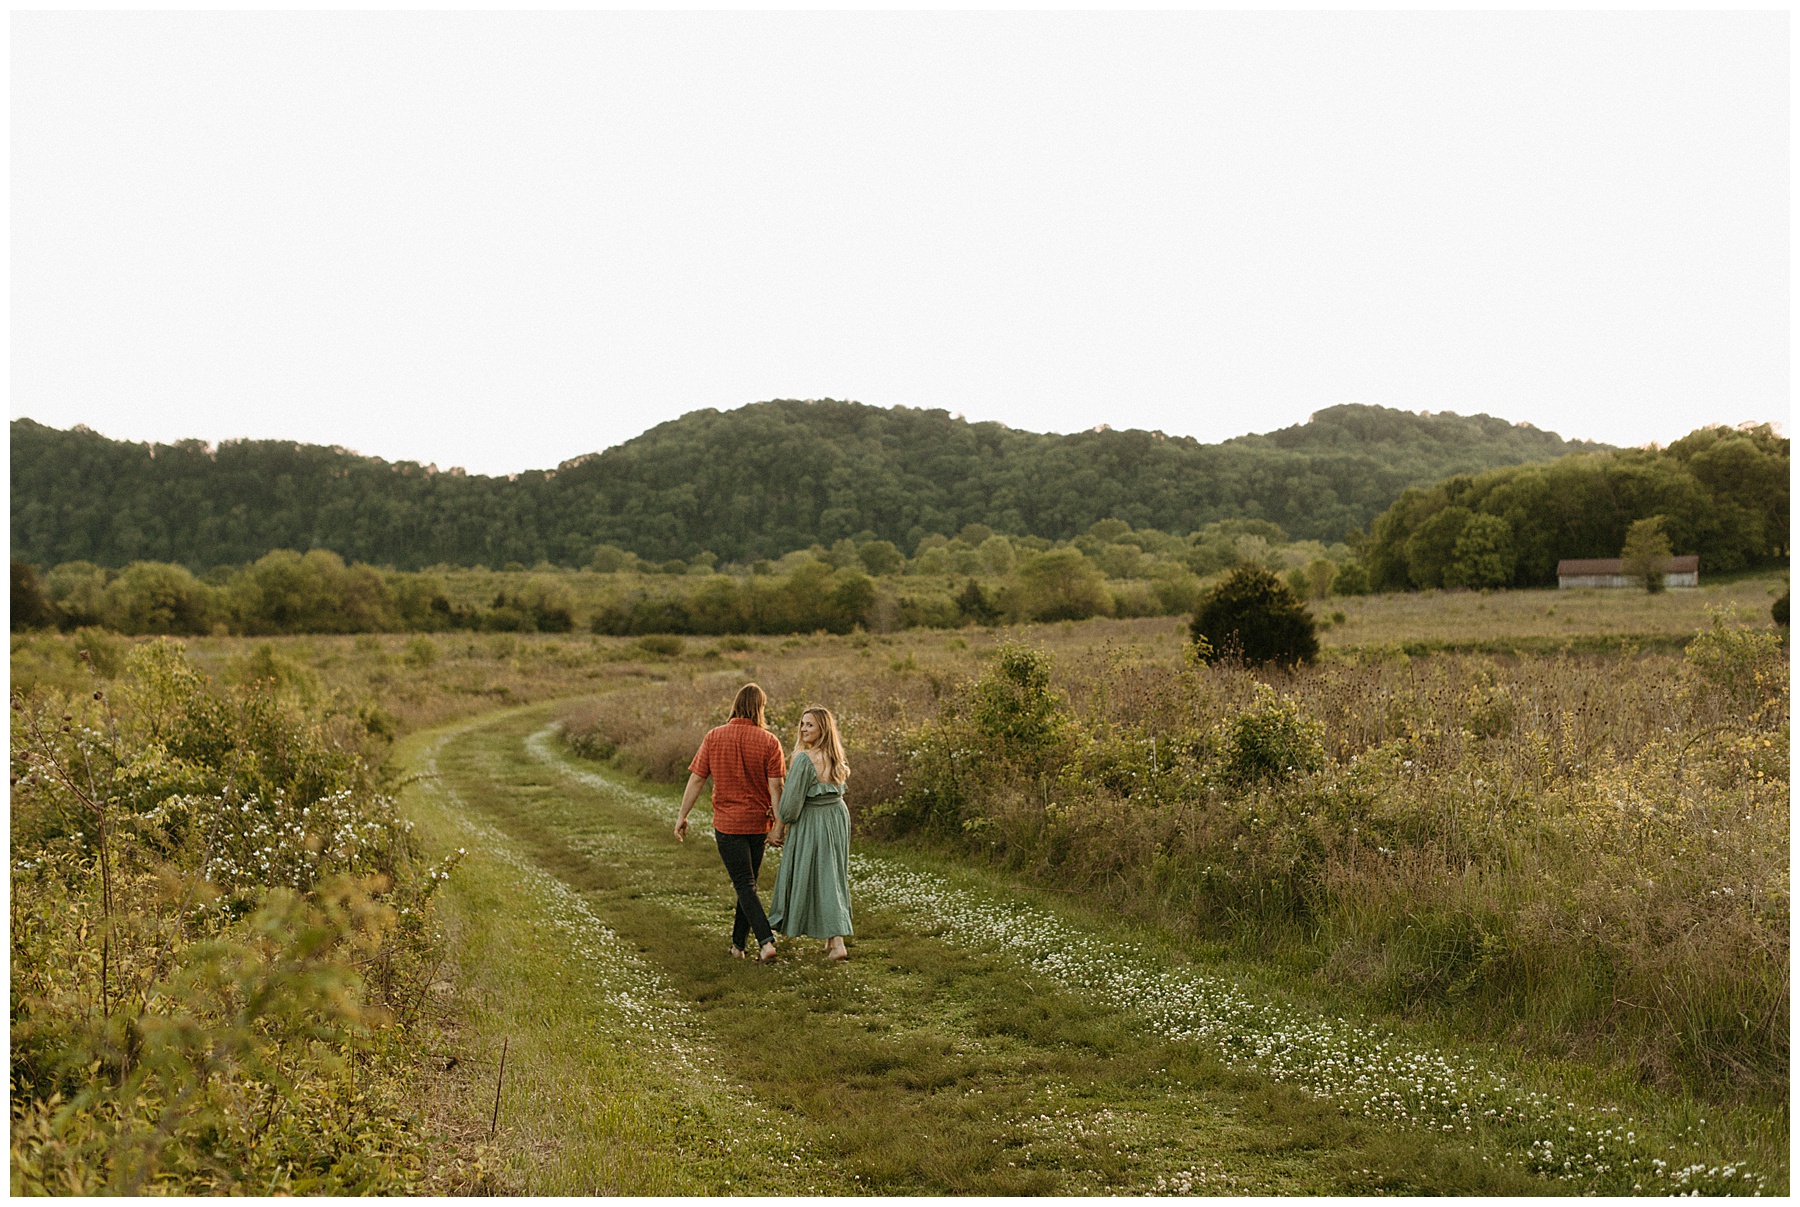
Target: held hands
[778,834]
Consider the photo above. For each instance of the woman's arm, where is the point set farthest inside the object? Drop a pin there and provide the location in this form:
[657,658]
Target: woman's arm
[793,793]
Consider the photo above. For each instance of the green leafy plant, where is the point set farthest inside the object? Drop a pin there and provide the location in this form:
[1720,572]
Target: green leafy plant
[1271,739]
[219,943]
[1014,705]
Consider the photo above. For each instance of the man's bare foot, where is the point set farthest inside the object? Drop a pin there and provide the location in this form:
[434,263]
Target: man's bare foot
[768,953]
[735,952]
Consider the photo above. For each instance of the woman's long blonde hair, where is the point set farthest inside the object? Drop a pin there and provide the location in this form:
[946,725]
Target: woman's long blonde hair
[835,768]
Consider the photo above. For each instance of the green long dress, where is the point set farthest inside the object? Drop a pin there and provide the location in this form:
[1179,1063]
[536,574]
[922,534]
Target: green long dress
[812,886]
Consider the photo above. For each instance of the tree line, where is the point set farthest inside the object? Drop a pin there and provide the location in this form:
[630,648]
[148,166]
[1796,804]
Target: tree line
[1721,493]
[743,485]
[977,576]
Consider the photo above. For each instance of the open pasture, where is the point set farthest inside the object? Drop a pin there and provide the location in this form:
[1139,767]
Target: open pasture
[1543,618]
[1572,855]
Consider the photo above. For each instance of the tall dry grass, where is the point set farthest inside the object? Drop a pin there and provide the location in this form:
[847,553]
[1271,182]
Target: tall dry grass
[1585,854]
[1544,617]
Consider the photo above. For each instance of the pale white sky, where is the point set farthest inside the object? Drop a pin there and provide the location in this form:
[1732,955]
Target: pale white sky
[502,240]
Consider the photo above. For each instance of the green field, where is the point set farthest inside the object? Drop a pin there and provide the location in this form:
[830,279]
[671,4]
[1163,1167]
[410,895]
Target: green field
[1480,946]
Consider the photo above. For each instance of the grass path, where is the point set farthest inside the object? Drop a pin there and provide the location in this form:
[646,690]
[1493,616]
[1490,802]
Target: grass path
[979,1042]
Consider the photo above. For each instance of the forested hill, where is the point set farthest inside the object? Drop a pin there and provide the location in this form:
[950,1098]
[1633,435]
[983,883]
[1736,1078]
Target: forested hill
[752,482]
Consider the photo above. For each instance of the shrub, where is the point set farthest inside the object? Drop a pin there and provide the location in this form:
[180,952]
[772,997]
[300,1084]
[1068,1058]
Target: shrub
[1778,611]
[882,557]
[158,598]
[216,912]
[78,589]
[1252,615]
[1060,584]
[1178,593]
[849,600]
[420,652]
[1352,578]
[1015,709]
[1135,599]
[609,559]
[1271,739]
[548,602]
[1746,668]
[31,607]
[419,604]
[997,554]
[662,646]
[1319,573]
[267,666]
[313,592]
[975,606]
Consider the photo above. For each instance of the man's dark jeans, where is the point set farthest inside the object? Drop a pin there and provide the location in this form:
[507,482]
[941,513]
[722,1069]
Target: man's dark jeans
[743,854]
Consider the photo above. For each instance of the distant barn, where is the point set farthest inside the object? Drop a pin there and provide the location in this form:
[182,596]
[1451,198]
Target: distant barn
[1610,572]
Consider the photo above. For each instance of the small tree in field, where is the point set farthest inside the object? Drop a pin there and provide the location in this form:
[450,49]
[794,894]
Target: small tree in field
[31,608]
[1253,615]
[1646,552]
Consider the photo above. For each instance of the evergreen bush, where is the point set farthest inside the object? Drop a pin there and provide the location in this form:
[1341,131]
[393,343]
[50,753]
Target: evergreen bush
[1254,616]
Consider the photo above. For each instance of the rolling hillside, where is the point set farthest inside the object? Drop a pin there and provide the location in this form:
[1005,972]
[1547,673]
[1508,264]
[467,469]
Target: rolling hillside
[746,483]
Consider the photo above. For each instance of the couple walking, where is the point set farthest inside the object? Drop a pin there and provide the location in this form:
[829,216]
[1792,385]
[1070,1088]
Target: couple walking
[757,802]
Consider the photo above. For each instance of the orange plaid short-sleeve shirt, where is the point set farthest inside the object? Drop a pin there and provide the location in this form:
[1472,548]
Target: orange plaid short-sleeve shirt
[741,757]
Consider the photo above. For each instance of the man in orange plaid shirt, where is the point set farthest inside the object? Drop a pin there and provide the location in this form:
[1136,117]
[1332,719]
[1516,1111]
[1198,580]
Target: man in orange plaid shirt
[744,761]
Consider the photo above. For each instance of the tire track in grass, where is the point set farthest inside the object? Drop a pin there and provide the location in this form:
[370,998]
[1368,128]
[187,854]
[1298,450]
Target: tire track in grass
[1043,1136]
[702,1120]
[1369,1071]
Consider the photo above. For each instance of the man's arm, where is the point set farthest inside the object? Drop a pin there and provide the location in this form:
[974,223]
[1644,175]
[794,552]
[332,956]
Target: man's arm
[688,796]
[779,831]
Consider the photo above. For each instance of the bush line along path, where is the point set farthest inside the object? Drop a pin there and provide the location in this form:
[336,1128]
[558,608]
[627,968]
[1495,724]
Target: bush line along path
[980,1041]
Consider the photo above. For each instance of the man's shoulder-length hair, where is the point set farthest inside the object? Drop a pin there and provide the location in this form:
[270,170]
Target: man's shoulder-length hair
[749,704]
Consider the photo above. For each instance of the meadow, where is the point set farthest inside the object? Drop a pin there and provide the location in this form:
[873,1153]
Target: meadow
[1582,853]
[1550,822]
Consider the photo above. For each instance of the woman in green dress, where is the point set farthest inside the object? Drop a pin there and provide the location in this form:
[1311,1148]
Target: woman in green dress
[812,886]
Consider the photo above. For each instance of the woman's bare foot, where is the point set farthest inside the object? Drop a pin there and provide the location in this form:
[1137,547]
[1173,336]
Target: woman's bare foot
[767,955]
[835,949]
